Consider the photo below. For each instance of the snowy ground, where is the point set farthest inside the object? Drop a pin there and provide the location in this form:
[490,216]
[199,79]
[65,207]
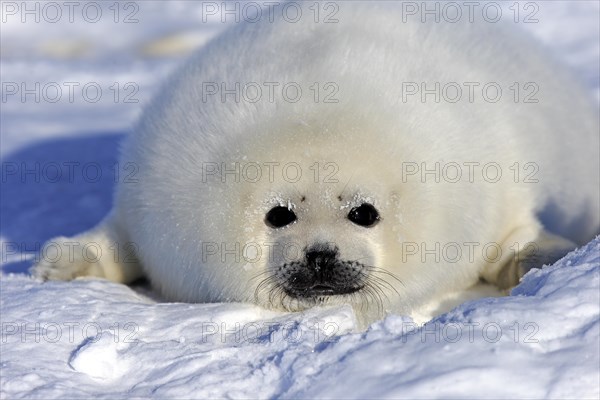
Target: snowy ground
[92,338]
[106,340]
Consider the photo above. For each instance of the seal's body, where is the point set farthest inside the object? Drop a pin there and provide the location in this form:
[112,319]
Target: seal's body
[370,161]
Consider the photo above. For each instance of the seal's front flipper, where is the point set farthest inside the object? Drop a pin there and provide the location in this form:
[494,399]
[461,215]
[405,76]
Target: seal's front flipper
[101,252]
[546,249]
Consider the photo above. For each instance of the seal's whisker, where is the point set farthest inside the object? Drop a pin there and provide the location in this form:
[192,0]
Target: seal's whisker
[385,284]
[260,274]
[385,272]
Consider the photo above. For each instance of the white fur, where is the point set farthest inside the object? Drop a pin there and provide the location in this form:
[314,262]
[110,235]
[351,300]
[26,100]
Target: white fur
[171,212]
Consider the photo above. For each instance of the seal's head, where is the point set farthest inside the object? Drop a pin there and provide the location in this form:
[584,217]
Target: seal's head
[322,253]
[314,213]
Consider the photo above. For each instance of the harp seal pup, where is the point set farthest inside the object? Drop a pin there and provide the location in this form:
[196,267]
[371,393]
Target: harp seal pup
[302,164]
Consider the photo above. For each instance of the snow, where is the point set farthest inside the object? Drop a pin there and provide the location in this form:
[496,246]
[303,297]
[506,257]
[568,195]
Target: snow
[101,339]
[93,338]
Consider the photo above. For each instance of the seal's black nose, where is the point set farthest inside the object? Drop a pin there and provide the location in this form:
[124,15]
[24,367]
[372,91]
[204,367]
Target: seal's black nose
[321,259]
[323,274]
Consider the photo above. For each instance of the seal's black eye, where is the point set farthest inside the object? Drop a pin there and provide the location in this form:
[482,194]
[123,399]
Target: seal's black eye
[364,215]
[280,216]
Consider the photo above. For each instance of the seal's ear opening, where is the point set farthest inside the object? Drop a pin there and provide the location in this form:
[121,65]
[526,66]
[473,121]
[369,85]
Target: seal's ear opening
[279,217]
[364,215]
